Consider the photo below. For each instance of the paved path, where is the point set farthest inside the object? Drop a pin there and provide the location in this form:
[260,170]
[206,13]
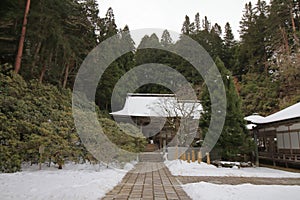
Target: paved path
[148,180]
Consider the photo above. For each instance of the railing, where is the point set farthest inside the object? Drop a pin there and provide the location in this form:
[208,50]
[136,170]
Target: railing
[280,157]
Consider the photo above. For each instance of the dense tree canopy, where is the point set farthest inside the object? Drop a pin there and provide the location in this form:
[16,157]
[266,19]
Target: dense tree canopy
[34,115]
[262,66]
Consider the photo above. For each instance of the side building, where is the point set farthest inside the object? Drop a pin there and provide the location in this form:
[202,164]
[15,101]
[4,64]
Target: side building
[278,136]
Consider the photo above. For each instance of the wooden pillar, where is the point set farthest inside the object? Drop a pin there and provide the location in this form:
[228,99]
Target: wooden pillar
[166,138]
[291,150]
[184,156]
[255,132]
[208,158]
[298,138]
[285,162]
[160,141]
[273,159]
[193,156]
[199,157]
[188,157]
[181,157]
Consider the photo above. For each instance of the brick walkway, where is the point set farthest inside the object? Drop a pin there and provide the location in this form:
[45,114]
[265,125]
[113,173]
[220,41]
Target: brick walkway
[148,180]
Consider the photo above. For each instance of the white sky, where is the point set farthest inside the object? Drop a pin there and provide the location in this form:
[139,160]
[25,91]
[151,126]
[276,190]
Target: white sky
[170,14]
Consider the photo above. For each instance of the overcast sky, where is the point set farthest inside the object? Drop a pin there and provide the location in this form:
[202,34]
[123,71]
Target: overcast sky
[170,14]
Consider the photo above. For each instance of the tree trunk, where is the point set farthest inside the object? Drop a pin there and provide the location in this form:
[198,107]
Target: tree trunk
[43,73]
[66,75]
[296,39]
[22,39]
[45,68]
[38,48]
[285,41]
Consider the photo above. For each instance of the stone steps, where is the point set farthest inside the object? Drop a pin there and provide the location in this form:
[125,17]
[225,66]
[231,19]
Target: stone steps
[151,157]
[151,148]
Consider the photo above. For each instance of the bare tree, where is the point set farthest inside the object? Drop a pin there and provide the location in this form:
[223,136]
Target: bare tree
[183,116]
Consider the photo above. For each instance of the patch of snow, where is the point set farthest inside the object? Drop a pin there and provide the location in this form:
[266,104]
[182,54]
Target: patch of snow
[129,166]
[254,118]
[183,168]
[250,126]
[230,163]
[76,182]
[210,191]
[67,166]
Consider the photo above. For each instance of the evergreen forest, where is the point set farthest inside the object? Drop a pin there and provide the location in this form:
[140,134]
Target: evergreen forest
[260,71]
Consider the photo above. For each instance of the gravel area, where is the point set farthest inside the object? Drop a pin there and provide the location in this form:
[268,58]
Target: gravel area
[238,180]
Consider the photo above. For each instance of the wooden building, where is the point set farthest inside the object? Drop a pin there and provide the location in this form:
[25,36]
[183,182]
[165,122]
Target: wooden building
[157,115]
[278,136]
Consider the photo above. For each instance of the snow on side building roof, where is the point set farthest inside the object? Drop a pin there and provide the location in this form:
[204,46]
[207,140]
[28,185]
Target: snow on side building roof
[158,105]
[250,126]
[285,114]
[254,118]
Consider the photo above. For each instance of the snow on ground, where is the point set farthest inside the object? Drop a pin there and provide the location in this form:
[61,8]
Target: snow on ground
[81,181]
[210,191]
[183,168]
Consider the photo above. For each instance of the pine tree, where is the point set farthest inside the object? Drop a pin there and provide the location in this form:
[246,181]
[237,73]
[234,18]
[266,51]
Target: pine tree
[230,46]
[186,27]
[197,23]
[114,72]
[229,41]
[166,39]
[216,29]
[216,42]
[126,61]
[233,140]
[154,40]
[106,85]
[247,19]
[253,50]
[108,26]
[206,25]
[283,29]
[259,94]
[143,56]
[52,54]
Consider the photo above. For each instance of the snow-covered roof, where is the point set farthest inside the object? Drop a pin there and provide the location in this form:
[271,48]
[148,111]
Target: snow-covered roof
[254,118]
[250,126]
[285,114]
[159,105]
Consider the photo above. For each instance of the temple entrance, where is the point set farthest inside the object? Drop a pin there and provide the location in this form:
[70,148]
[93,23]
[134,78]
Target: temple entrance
[151,146]
[158,134]
[157,116]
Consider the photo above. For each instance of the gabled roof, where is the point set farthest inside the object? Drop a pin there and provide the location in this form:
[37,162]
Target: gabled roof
[158,105]
[291,112]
